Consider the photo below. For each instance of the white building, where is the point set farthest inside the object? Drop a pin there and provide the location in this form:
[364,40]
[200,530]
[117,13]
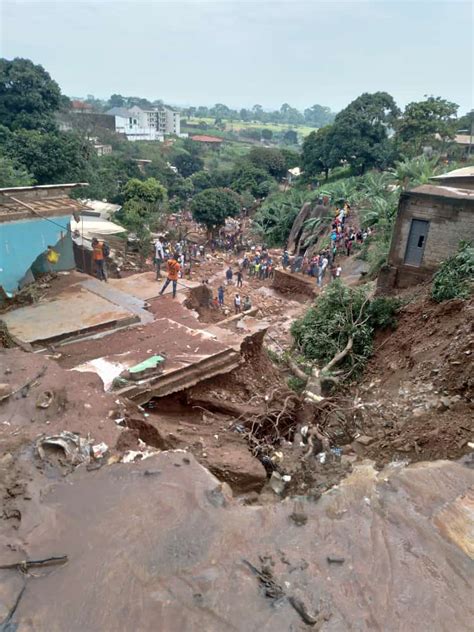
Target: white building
[138,124]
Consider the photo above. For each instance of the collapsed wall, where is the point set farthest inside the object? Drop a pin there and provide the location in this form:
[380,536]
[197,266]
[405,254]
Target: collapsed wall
[288,283]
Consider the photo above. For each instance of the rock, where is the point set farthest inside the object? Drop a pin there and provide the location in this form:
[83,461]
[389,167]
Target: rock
[418,412]
[364,439]
[5,391]
[277,483]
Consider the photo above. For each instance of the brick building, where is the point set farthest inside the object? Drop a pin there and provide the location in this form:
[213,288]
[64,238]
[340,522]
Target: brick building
[431,221]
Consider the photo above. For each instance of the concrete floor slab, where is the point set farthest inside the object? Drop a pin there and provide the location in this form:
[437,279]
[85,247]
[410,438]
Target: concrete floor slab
[72,312]
[146,287]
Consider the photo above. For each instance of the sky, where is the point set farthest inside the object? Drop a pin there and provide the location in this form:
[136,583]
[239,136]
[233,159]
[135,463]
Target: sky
[248,52]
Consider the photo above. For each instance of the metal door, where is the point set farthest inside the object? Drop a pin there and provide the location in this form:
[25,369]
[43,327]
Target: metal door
[416,242]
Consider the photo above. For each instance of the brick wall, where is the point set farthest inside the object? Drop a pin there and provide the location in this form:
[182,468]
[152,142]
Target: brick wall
[450,222]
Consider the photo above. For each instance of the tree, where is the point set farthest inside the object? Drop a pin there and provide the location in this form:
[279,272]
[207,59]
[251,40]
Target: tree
[213,206]
[150,193]
[12,175]
[28,95]
[318,154]
[267,134]
[202,180]
[318,116]
[257,112]
[52,157]
[245,115]
[271,160]
[187,163]
[247,177]
[360,133]
[425,123]
[290,137]
[116,101]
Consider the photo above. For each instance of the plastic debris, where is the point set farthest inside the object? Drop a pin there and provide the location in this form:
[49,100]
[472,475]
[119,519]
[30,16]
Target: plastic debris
[99,449]
[44,400]
[277,483]
[76,449]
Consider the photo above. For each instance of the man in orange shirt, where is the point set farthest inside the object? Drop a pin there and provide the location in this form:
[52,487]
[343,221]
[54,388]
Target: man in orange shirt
[173,268]
[99,258]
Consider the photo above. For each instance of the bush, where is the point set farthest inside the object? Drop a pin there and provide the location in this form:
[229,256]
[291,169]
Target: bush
[454,279]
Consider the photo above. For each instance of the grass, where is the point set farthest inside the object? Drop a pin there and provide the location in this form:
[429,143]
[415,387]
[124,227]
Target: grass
[235,126]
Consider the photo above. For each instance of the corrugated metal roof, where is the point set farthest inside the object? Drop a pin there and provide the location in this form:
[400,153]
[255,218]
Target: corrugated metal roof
[443,191]
[464,172]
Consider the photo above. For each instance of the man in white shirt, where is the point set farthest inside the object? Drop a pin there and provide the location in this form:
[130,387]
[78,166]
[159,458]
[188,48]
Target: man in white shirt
[159,257]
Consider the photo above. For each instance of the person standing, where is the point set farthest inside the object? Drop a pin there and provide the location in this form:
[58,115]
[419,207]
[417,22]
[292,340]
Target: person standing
[99,259]
[239,278]
[173,273]
[338,272]
[229,276]
[220,295]
[159,257]
[237,303]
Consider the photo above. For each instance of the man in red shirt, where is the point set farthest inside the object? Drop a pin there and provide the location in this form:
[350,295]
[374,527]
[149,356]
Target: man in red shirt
[173,268]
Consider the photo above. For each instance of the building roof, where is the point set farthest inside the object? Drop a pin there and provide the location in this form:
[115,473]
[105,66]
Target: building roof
[38,201]
[437,190]
[464,172]
[100,208]
[33,187]
[464,139]
[207,139]
[123,112]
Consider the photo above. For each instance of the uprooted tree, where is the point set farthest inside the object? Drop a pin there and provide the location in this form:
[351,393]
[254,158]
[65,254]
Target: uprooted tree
[334,339]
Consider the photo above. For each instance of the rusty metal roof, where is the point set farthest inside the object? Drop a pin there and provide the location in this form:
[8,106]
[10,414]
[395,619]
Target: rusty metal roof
[45,201]
[443,191]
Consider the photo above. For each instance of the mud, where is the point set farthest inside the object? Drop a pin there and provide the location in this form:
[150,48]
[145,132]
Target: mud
[172,551]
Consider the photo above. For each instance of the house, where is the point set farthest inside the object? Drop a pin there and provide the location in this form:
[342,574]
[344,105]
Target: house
[103,150]
[431,221]
[210,141]
[80,107]
[31,219]
[462,178]
[138,124]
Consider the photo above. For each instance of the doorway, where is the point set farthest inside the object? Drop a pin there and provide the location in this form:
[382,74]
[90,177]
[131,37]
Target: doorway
[416,242]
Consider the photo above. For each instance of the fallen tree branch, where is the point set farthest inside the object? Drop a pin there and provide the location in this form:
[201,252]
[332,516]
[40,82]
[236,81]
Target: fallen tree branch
[339,356]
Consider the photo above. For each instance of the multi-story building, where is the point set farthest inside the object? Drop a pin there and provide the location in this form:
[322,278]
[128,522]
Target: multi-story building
[138,124]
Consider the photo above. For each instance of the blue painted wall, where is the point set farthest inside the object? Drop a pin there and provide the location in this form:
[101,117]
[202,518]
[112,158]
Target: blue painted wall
[24,242]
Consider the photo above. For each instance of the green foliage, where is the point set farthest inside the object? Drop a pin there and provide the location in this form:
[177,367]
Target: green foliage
[52,157]
[187,163]
[455,276]
[339,313]
[296,384]
[269,159]
[28,95]
[247,177]
[422,121]
[202,180]
[13,176]
[360,132]
[318,154]
[212,206]
[275,217]
[149,191]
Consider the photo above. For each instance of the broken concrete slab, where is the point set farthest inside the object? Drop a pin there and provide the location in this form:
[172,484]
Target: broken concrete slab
[401,571]
[294,283]
[73,312]
[145,286]
[127,301]
[191,356]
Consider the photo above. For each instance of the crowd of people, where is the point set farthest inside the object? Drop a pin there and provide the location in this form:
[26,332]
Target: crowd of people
[257,262]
